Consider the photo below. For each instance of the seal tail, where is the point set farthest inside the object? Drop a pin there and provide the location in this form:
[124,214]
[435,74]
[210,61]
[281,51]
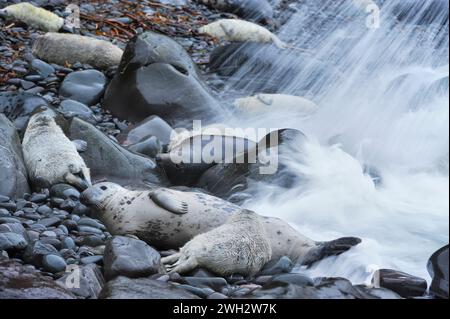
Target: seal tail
[330,248]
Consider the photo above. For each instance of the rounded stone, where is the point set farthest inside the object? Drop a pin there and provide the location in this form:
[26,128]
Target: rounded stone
[54,263]
[86,86]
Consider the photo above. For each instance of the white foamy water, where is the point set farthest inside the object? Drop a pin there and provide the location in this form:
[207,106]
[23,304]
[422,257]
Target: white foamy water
[383,103]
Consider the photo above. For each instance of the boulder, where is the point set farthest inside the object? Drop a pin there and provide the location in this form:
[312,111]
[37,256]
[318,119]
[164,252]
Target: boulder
[13,174]
[157,77]
[438,269]
[108,160]
[129,257]
[402,283]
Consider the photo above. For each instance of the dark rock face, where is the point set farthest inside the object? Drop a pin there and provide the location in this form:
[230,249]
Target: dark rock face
[142,288]
[19,106]
[13,174]
[438,269]
[85,86]
[403,284]
[131,258]
[255,10]
[157,77]
[109,161]
[24,282]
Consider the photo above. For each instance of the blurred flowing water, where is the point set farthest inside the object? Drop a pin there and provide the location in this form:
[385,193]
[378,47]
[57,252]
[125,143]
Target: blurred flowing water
[383,107]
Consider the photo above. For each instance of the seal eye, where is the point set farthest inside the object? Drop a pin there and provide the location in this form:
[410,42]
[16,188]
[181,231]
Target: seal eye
[103,188]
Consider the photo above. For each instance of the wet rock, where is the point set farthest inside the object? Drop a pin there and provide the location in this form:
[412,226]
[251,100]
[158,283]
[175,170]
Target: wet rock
[12,241]
[217,295]
[402,283]
[86,221]
[24,282]
[16,228]
[17,105]
[151,126]
[108,160]
[130,257]
[54,263]
[149,147]
[72,108]
[38,198]
[50,221]
[438,269]
[42,68]
[13,174]
[85,86]
[201,292]
[275,267]
[64,191]
[177,93]
[215,283]
[142,288]
[295,279]
[85,282]
[68,243]
[35,253]
[92,260]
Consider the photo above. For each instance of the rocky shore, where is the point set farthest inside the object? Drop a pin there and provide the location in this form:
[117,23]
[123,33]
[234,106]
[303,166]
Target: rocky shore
[51,244]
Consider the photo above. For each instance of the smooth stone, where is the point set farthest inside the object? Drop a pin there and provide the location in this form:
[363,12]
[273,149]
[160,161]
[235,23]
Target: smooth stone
[275,267]
[215,283]
[438,268]
[23,282]
[149,147]
[19,104]
[295,279]
[217,295]
[4,199]
[68,243]
[42,68]
[262,280]
[89,230]
[70,224]
[38,227]
[177,93]
[151,126]
[125,256]
[12,241]
[81,210]
[89,281]
[54,263]
[36,252]
[55,242]
[44,210]
[86,221]
[142,288]
[7,220]
[38,198]
[108,160]
[50,221]
[92,260]
[93,241]
[33,236]
[201,292]
[13,174]
[64,191]
[27,84]
[85,86]
[13,228]
[401,283]
[68,205]
[74,108]
[49,233]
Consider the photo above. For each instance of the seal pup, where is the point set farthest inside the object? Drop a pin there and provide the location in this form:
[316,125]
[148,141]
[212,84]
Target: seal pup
[33,16]
[60,48]
[275,103]
[50,157]
[168,219]
[235,30]
[240,246]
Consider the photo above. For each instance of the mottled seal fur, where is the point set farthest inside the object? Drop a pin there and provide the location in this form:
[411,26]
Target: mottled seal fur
[240,246]
[168,219]
[33,16]
[61,48]
[50,157]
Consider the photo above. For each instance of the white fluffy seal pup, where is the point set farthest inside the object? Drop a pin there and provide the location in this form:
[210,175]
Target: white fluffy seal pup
[50,157]
[262,103]
[34,17]
[240,246]
[60,48]
[168,219]
[235,30]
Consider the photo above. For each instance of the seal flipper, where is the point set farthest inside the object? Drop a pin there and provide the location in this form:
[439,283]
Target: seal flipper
[330,248]
[169,201]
